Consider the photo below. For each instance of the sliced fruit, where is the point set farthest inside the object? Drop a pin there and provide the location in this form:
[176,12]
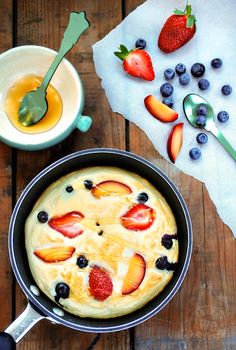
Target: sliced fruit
[109,188]
[55,254]
[67,224]
[174,142]
[136,62]
[100,283]
[135,274]
[140,217]
[159,110]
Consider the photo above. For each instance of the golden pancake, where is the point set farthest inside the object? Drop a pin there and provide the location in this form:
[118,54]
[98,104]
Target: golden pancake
[101,242]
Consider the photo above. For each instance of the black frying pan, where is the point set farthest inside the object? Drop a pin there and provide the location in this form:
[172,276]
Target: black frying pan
[40,306]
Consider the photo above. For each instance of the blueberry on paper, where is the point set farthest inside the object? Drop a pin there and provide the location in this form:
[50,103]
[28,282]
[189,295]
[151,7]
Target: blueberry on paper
[202,138]
[140,44]
[203,84]
[168,101]
[216,63]
[180,68]
[169,74]
[198,70]
[184,79]
[226,90]
[166,89]
[223,116]
[195,153]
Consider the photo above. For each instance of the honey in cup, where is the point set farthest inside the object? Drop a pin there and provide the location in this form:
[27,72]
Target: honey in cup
[15,95]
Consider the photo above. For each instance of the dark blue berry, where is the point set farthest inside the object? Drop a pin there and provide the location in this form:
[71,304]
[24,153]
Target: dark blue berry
[216,63]
[226,90]
[223,116]
[180,68]
[69,189]
[140,43]
[202,138]
[169,74]
[197,70]
[168,101]
[166,240]
[202,109]
[201,121]
[42,216]
[82,261]
[195,153]
[203,84]
[166,89]
[184,79]
[88,184]
[62,290]
[142,197]
[163,264]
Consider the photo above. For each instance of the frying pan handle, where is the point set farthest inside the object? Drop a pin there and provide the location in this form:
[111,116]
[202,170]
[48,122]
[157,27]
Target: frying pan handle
[19,328]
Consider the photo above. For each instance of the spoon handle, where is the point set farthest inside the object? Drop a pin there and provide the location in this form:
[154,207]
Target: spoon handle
[229,148]
[78,23]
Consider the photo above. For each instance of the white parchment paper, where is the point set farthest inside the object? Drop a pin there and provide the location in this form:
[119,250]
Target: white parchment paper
[215,37]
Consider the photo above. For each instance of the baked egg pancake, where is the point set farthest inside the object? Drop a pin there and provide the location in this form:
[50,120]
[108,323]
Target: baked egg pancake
[101,242]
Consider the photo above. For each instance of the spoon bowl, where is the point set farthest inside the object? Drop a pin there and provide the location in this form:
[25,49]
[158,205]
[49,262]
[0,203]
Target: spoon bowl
[190,105]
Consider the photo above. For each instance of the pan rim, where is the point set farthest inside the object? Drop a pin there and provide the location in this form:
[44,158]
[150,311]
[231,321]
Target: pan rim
[125,325]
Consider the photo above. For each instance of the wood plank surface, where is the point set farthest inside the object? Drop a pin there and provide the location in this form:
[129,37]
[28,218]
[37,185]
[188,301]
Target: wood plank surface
[202,316]
[6,279]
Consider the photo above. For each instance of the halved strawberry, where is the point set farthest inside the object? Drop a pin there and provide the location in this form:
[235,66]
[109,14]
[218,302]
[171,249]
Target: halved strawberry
[109,188]
[174,142]
[54,254]
[135,274]
[136,62]
[100,283]
[67,224]
[139,218]
[159,110]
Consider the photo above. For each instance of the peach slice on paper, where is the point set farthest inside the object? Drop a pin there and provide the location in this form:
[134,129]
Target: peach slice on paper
[55,254]
[109,188]
[174,142]
[159,110]
[135,274]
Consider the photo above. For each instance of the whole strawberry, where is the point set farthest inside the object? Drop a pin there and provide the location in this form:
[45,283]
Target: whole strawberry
[136,62]
[177,30]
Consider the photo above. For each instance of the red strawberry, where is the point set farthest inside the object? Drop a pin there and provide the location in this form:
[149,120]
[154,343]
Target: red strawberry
[136,62]
[177,30]
[139,218]
[67,224]
[100,283]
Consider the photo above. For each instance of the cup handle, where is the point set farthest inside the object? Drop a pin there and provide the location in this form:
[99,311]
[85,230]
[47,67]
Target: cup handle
[83,123]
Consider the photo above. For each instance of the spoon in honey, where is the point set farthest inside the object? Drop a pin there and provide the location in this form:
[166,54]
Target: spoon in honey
[34,106]
[190,104]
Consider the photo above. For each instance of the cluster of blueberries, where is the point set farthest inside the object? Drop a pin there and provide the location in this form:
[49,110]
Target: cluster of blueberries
[197,71]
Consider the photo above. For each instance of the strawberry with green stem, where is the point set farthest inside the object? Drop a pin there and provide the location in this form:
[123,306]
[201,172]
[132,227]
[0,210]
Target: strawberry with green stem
[136,62]
[177,30]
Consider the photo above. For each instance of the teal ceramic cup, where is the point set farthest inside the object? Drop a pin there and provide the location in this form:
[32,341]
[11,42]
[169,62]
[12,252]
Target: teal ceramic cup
[35,60]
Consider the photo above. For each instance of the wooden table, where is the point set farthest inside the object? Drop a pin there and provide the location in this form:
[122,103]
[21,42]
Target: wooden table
[203,313]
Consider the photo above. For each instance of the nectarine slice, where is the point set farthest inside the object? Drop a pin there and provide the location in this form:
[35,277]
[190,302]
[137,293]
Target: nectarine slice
[135,274]
[174,142]
[109,188]
[55,254]
[159,110]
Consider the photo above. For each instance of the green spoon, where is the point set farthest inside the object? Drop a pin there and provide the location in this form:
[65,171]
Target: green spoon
[34,104]
[190,105]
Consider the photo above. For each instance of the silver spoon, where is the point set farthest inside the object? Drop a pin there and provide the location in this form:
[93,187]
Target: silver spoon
[190,105]
[34,104]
